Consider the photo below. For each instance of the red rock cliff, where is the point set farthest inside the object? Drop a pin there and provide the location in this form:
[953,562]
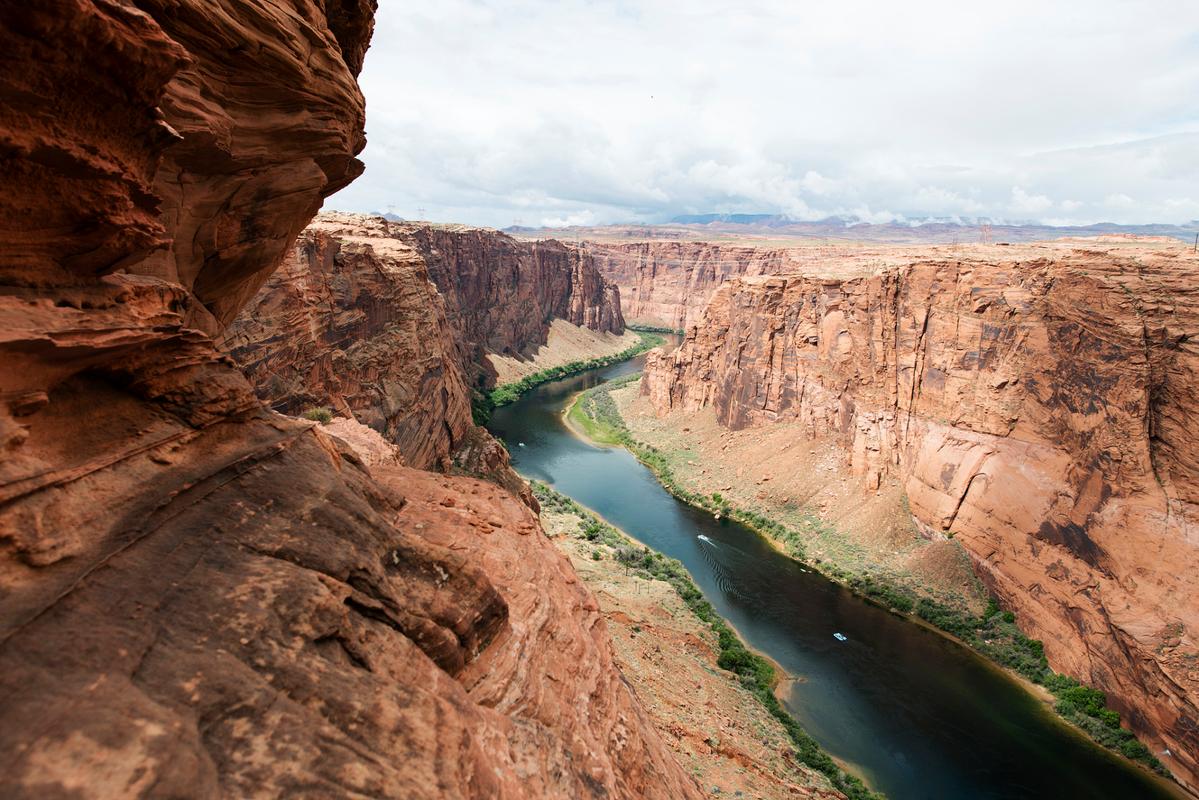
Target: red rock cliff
[202,598]
[501,294]
[352,321]
[389,323]
[1035,406]
[670,283]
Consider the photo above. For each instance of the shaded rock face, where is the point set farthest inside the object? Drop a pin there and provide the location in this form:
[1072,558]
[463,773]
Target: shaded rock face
[390,323]
[501,294]
[670,283]
[1035,409]
[233,192]
[202,598]
[355,323]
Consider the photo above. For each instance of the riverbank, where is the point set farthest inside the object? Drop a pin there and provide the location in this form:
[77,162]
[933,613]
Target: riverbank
[704,673]
[654,329]
[485,402]
[989,631]
[565,343]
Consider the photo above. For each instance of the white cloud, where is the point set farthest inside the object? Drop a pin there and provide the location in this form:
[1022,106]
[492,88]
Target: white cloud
[1119,200]
[1029,204]
[487,111]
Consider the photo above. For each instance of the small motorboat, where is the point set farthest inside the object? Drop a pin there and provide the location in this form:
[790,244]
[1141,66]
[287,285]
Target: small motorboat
[520,444]
[840,637]
[703,538]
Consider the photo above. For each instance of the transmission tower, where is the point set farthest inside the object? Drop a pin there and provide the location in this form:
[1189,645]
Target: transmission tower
[984,232]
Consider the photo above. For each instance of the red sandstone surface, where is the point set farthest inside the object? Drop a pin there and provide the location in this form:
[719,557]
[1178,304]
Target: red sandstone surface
[352,321]
[501,294]
[203,598]
[1035,402]
[670,283]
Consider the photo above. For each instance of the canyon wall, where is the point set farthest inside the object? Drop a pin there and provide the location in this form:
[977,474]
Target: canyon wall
[390,323]
[670,283]
[502,294]
[352,321]
[1035,405]
[203,598]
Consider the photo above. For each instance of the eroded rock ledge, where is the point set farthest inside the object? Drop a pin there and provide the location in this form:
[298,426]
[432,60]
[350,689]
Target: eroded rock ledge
[1034,404]
[203,598]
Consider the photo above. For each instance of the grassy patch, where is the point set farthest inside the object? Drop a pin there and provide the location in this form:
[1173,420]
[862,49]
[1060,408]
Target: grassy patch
[595,413]
[754,672]
[994,634]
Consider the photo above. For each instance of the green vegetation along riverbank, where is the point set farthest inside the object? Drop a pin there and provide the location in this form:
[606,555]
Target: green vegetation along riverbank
[993,633]
[655,329]
[755,673]
[485,401]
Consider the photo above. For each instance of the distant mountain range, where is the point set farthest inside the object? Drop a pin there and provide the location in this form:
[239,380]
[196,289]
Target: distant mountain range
[933,229]
[736,219]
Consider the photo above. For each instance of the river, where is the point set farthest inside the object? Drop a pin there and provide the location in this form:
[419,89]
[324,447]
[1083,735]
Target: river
[916,715]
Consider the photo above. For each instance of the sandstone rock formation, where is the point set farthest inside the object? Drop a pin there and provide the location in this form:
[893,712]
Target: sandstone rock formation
[670,283]
[1034,403]
[351,320]
[502,294]
[391,323]
[202,598]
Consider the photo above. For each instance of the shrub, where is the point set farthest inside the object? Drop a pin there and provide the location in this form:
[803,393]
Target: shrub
[319,414]
[481,407]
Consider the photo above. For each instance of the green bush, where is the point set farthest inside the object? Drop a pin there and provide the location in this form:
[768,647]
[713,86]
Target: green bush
[481,407]
[319,414]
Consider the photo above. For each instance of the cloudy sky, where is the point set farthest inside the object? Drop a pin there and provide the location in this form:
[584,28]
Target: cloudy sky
[576,112]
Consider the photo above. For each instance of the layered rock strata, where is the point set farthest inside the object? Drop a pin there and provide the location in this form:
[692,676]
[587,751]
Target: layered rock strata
[1034,404]
[501,295]
[203,598]
[669,284]
[352,321]
[392,324]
